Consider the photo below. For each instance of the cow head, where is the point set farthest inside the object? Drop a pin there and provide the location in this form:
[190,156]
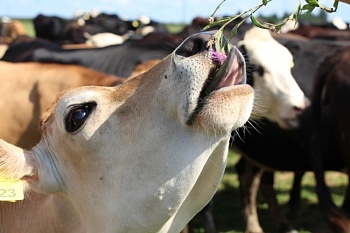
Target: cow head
[278,96]
[144,156]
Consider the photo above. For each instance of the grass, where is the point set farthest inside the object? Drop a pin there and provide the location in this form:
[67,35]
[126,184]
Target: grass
[227,207]
[28,25]
[175,28]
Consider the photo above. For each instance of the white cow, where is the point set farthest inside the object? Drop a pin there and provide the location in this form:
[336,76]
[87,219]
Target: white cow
[144,156]
[278,99]
[278,96]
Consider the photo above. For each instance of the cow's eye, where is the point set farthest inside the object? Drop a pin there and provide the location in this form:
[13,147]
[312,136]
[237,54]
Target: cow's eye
[260,70]
[77,116]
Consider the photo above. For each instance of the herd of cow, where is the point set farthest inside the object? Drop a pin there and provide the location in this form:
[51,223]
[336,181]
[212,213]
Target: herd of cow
[298,122]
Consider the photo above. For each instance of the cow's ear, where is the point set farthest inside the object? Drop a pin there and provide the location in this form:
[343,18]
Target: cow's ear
[15,163]
[19,164]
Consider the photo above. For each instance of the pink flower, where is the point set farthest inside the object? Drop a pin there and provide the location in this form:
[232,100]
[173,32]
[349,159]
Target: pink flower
[219,57]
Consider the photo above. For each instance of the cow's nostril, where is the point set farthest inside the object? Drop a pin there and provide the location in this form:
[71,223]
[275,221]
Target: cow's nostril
[297,109]
[193,45]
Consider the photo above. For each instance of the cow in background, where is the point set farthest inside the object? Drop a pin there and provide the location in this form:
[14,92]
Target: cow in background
[278,99]
[278,149]
[117,60]
[272,148]
[331,94]
[10,29]
[68,31]
[317,32]
[50,27]
[103,22]
[86,25]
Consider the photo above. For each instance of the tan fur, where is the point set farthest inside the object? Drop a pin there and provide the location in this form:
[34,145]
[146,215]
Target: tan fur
[143,67]
[3,49]
[18,29]
[141,147]
[12,30]
[11,166]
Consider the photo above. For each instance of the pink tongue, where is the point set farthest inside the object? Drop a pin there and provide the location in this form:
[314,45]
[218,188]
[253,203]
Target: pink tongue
[234,75]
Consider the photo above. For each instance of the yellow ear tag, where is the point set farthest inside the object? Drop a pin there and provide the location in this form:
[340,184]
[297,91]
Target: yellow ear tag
[11,190]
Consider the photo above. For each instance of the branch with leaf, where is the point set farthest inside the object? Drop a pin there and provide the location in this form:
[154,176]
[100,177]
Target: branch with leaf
[249,14]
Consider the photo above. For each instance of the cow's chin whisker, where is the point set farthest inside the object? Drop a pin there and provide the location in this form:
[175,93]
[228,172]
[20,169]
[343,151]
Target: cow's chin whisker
[290,123]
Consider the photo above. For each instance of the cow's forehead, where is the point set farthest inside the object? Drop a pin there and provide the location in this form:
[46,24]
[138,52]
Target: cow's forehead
[81,95]
[76,96]
[271,54]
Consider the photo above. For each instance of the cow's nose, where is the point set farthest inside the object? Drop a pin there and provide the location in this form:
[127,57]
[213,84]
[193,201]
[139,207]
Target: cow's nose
[197,43]
[300,109]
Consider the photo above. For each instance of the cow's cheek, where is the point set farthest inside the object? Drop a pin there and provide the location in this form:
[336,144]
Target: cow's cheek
[227,109]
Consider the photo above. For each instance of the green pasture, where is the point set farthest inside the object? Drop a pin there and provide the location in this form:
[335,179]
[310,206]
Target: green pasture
[227,207]
[28,25]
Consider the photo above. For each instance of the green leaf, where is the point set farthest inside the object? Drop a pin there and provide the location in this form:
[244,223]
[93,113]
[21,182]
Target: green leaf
[219,41]
[257,23]
[296,13]
[308,7]
[313,3]
[220,21]
[264,2]
[278,28]
[335,5]
[234,31]
[298,10]
[309,12]
[217,8]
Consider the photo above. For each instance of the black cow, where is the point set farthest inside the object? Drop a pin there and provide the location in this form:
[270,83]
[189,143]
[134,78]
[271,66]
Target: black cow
[68,31]
[50,27]
[105,23]
[272,148]
[118,60]
[136,26]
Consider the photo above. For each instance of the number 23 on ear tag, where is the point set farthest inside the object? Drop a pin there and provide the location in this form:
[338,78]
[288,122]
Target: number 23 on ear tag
[11,190]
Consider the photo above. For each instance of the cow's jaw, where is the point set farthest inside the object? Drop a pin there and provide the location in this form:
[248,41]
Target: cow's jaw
[279,98]
[212,98]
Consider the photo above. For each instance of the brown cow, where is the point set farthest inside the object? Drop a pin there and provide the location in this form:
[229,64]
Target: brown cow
[10,30]
[286,150]
[332,91]
[28,89]
[317,32]
[144,156]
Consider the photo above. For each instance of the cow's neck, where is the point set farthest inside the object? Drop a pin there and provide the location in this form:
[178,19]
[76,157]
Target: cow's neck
[38,213]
